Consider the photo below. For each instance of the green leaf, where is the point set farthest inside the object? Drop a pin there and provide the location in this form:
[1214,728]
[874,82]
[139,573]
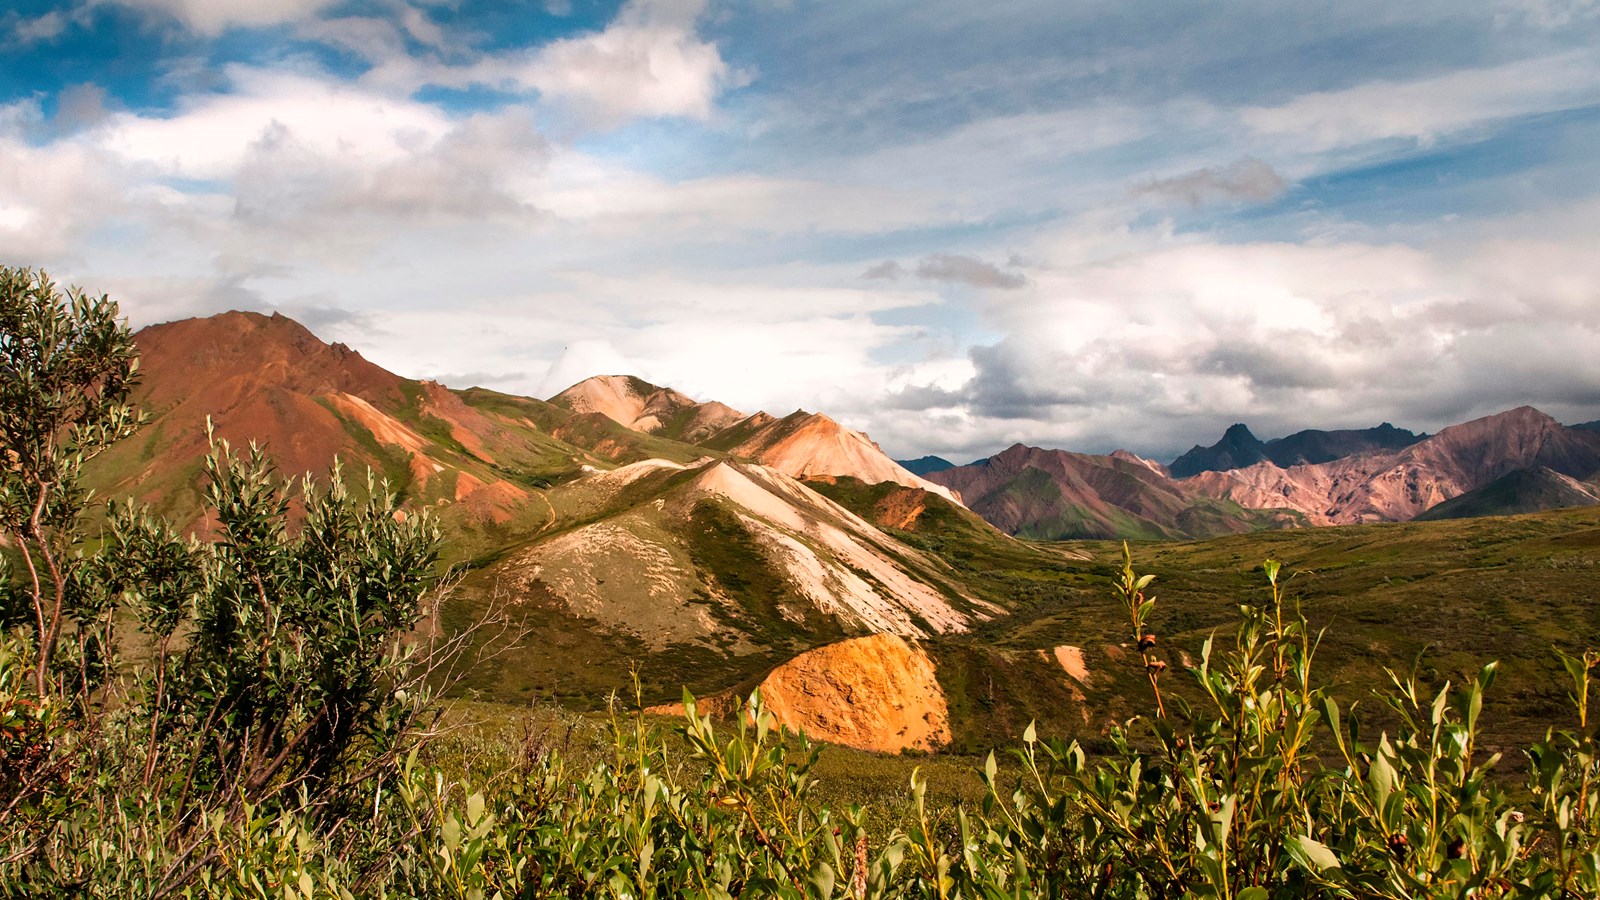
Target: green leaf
[820,881]
[1272,567]
[1381,776]
[1311,853]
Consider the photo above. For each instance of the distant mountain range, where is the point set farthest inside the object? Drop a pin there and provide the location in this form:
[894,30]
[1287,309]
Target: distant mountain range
[1053,494]
[1240,449]
[1398,485]
[1382,474]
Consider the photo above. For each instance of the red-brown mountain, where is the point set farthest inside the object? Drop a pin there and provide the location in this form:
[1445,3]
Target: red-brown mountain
[1398,485]
[472,454]
[642,406]
[1056,495]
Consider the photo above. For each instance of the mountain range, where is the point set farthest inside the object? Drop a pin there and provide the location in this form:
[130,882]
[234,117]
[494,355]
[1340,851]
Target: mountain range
[1240,483]
[624,525]
[1239,448]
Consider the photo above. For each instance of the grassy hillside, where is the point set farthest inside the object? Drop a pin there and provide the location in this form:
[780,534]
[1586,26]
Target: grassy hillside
[1445,596]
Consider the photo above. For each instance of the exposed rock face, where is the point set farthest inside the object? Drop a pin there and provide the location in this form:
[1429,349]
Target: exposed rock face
[1396,486]
[1152,465]
[876,693]
[872,693]
[801,444]
[822,546]
[1053,495]
[644,564]
[642,406]
[268,380]
[259,378]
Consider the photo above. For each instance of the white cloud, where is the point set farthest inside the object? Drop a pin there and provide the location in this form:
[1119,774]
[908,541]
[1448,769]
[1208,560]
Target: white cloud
[615,199]
[212,17]
[212,135]
[752,344]
[289,182]
[52,195]
[1429,108]
[647,62]
[46,27]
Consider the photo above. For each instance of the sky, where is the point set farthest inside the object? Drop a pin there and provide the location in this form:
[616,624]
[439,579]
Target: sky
[953,225]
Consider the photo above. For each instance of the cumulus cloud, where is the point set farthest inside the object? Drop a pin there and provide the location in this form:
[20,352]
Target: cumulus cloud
[212,135]
[1248,179]
[968,270]
[39,29]
[649,61]
[285,181]
[888,270]
[51,195]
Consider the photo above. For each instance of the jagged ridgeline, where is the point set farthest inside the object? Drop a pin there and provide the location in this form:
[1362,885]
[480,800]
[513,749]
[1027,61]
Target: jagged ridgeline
[1242,484]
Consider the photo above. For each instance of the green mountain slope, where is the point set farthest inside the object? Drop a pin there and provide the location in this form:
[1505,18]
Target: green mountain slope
[1524,491]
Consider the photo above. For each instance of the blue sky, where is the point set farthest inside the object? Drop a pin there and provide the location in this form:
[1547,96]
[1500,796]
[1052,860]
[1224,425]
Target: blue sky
[952,225]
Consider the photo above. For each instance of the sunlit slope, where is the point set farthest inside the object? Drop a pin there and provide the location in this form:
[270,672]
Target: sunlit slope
[640,406]
[1522,491]
[705,574]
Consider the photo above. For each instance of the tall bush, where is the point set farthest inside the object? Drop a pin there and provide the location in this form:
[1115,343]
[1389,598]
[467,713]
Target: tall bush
[67,365]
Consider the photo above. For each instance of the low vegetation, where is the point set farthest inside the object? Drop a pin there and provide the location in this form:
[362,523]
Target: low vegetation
[252,713]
